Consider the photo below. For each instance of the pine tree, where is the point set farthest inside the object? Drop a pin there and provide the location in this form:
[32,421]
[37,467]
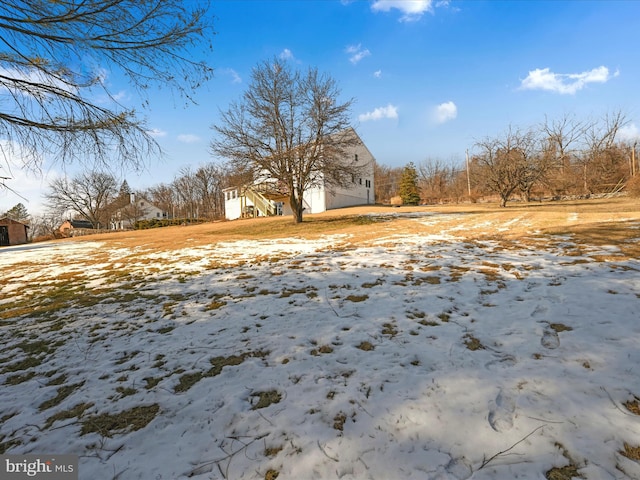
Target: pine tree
[125,190]
[409,191]
[18,213]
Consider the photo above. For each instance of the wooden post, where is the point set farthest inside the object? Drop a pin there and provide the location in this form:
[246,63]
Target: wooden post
[466,153]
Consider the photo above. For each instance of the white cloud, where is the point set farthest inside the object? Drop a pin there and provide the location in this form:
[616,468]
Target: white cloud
[390,111]
[286,54]
[565,83]
[22,184]
[629,133]
[120,96]
[444,112]
[156,133]
[188,138]
[34,76]
[357,53]
[377,73]
[412,10]
[235,78]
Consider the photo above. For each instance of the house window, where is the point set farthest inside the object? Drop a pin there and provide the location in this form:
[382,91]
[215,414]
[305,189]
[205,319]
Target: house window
[157,214]
[360,181]
[356,157]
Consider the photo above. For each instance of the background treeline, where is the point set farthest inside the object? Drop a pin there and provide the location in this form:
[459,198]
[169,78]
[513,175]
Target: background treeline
[565,157]
[558,158]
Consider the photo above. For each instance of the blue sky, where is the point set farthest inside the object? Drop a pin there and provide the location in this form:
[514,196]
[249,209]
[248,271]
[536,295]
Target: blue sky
[429,78]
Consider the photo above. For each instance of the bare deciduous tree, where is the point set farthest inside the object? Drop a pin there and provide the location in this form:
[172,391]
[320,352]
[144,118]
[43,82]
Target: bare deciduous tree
[601,156]
[291,127]
[210,180]
[54,59]
[387,182]
[503,163]
[164,197]
[89,194]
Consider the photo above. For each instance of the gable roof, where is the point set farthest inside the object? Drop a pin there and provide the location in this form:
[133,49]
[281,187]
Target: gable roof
[11,221]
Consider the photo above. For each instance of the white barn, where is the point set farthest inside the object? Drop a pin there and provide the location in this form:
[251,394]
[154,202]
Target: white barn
[255,200]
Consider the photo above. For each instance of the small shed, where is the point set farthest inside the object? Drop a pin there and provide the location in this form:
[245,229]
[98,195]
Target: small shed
[72,228]
[12,232]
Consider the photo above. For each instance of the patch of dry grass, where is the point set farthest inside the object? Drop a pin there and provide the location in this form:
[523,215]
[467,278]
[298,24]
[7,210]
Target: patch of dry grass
[632,453]
[107,424]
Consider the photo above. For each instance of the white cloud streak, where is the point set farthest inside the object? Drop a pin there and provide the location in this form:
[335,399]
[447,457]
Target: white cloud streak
[235,78]
[156,133]
[565,83]
[188,138]
[390,111]
[444,112]
[357,53]
[629,133]
[412,10]
[286,54]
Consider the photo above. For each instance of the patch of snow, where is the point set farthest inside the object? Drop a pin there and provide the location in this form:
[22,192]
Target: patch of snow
[416,403]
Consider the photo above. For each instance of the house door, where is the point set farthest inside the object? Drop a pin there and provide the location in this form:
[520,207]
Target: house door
[4,236]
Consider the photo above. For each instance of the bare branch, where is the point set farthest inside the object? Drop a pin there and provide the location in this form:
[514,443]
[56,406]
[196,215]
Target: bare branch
[53,59]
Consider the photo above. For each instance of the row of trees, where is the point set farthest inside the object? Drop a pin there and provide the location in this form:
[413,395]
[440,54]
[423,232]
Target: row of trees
[562,157]
[554,159]
[288,124]
[95,196]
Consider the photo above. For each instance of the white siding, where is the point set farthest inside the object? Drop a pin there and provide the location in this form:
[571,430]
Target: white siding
[319,199]
[232,204]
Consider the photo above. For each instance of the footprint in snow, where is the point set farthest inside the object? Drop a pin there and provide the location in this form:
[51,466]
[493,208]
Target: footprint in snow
[550,339]
[502,362]
[539,310]
[501,414]
[456,469]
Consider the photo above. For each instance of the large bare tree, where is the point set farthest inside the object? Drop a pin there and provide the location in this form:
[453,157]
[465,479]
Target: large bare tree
[601,155]
[89,194]
[56,62]
[292,127]
[505,162]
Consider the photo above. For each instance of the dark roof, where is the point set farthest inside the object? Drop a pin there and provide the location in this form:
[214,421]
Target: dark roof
[81,224]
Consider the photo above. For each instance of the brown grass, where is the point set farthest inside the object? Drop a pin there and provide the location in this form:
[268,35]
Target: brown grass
[633,453]
[597,221]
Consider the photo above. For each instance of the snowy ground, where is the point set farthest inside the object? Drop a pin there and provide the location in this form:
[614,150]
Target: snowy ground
[411,357]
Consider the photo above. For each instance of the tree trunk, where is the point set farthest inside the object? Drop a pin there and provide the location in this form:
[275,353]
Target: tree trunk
[296,207]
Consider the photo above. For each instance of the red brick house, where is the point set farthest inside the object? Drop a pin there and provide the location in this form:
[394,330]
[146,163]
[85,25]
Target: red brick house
[12,232]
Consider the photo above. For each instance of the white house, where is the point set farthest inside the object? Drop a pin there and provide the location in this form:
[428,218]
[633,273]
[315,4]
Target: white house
[138,208]
[264,199]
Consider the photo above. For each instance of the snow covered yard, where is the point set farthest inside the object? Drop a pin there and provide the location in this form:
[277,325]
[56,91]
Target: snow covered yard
[407,356]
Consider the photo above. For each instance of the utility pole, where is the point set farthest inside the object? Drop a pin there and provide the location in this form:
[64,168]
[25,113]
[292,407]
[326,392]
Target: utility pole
[466,153]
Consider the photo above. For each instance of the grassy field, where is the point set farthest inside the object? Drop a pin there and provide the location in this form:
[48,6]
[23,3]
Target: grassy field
[434,342]
[588,221]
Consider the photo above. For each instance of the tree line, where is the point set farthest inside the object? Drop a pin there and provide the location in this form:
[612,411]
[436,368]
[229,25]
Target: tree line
[287,126]
[564,157]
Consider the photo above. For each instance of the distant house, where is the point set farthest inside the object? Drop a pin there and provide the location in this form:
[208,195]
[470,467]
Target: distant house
[12,232]
[73,228]
[137,209]
[269,198]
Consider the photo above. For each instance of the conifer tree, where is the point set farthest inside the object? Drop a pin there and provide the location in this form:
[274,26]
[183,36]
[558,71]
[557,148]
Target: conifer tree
[409,191]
